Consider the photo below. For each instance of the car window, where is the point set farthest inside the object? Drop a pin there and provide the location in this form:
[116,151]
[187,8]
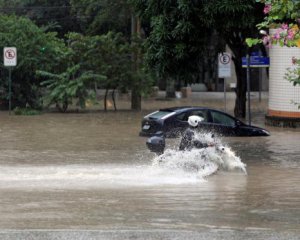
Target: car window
[182,117]
[221,118]
[200,113]
[158,114]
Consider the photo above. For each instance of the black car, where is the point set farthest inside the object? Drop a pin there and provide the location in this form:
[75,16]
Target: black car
[173,121]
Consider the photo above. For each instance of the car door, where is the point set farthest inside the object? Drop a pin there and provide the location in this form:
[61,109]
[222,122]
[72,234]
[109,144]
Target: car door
[177,124]
[222,123]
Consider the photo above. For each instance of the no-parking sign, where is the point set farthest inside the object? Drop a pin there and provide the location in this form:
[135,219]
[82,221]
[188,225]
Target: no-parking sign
[10,56]
[224,65]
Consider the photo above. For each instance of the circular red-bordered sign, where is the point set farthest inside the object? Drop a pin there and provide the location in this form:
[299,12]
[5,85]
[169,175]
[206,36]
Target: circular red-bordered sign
[10,54]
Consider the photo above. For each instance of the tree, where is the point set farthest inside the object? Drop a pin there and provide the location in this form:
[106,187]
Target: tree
[177,40]
[70,85]
[93,18]
[235,21]
[181,29]
[102,16]
[54,15]
[37,50]
[106,54]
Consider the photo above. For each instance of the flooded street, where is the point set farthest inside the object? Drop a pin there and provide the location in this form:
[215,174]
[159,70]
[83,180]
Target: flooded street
[92,173]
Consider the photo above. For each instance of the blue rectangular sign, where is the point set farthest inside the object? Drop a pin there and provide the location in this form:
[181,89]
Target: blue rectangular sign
[256,61]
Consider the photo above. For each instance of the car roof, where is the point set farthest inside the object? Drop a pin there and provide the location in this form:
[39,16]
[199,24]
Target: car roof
[180,109]
[186,108]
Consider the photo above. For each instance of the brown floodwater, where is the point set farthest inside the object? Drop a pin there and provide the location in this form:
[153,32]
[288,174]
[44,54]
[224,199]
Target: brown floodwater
[91,171]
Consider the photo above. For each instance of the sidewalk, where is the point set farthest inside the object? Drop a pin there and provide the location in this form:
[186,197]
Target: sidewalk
[229,95]
[207,99]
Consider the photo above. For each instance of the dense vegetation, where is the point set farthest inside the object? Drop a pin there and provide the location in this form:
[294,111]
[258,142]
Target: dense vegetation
[68,48]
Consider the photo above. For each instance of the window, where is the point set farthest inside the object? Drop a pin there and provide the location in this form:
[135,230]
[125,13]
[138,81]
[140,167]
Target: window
[182,117]
[200,113]
[221,118]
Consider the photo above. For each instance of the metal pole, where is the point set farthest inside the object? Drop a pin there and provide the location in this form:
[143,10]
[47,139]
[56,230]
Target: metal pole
[260,83]
[248,88]
[224,94]
[9,89]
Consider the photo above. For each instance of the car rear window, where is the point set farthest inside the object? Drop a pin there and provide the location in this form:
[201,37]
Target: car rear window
[159,114]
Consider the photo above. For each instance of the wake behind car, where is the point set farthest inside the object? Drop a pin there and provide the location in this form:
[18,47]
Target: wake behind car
[171,122]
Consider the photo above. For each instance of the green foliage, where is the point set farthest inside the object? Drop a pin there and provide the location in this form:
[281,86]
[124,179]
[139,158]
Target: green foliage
[103,16]
[63,16]
[229,14]
[70,85]
[293,74]
[26,111]
[279,11]
[253,41]
[178,40]
[28,39]
[282,15]
[183,30]
[54,15]
[107,54]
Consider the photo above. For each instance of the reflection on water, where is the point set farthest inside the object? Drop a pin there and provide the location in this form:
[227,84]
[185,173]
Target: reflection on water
[92,171]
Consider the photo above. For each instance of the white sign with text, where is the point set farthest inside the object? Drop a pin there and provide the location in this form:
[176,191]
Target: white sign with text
[10,56]
[224,65]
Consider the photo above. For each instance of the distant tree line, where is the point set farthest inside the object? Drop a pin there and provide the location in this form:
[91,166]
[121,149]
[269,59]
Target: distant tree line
[68,48]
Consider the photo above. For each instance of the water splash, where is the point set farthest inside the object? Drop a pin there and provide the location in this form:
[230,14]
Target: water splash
[203,162]
[172,168]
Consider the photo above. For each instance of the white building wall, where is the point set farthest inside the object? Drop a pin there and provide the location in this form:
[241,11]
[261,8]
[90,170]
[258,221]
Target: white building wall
[281,91]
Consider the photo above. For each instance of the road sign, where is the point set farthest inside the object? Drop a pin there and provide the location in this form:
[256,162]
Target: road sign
[256,61]
[224,65]
[10,56]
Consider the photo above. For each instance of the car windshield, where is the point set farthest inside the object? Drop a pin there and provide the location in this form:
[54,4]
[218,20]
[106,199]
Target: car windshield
[159,114]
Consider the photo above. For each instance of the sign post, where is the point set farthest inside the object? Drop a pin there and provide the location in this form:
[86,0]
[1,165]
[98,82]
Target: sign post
[248,89]
[9,60]
[224,70]
[254,61]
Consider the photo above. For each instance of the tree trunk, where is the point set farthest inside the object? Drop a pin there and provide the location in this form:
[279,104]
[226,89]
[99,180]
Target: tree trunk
[63,107]
[114,99]
[241,88]
[136,98]
[237,46]
[105,99]
[170,90]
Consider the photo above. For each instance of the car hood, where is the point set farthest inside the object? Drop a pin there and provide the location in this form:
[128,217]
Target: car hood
[257,131]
